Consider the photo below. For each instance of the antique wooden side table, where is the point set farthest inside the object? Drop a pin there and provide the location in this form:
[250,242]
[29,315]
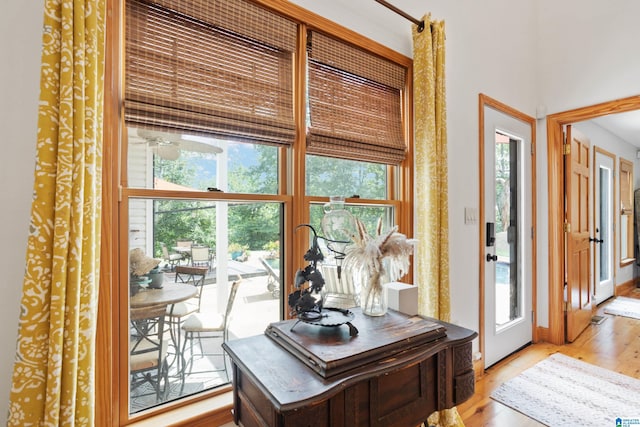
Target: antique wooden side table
[396,371]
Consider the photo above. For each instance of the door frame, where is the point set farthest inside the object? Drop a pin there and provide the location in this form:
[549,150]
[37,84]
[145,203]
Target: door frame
[486,101]
[555,164]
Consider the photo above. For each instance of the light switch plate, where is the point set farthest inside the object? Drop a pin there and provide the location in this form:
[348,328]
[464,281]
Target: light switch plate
[470,216]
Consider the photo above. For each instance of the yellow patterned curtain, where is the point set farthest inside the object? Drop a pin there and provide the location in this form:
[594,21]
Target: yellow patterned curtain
[53,374]
[431,182]
[431,169]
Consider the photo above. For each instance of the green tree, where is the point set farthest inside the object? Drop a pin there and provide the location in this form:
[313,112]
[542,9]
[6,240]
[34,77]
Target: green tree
[503,184]
[261,178]
[255,224]
[178,171]
[181,219]
[327,176]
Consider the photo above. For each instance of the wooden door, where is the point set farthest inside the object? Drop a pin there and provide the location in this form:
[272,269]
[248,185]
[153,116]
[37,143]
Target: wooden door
[578,303]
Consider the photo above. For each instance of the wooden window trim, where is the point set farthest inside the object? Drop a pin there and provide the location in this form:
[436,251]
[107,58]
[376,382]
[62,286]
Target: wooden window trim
[627,209]
[214,409]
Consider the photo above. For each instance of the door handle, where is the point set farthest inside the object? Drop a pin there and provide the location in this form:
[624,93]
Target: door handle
[492,257]
[491,234]
[594,239]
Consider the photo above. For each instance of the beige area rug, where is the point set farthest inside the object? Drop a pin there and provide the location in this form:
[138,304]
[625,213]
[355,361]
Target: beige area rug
[563,391]
[624,306]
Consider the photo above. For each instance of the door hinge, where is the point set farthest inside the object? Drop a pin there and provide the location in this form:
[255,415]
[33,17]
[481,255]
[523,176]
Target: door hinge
[567,227]
[566,149]
[532,233]
[533,149]
[567,307]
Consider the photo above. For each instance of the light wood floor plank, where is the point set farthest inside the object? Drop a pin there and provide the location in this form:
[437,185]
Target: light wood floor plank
[614,344]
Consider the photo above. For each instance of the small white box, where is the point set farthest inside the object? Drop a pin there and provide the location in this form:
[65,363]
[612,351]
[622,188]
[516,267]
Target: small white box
[402,297]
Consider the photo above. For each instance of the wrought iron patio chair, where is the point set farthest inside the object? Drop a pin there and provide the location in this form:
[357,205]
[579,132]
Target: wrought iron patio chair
[148,350]
[172,259]
[178,312]
[201,256]
[209,325]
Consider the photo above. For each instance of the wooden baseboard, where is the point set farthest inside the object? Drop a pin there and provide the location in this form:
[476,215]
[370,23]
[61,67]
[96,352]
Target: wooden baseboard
[478,368]
[626,287]
[542,334]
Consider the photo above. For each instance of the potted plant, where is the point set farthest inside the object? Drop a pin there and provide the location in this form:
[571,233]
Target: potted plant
[273,249]
[156,275]
[238,251]
[139,267]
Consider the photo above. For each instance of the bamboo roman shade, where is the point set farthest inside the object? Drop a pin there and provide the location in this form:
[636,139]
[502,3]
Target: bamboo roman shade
[355,103]
[221,68]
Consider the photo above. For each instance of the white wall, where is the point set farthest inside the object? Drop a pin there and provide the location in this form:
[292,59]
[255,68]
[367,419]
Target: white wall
[485,54]
[367,18]
[20,38]
[586,52]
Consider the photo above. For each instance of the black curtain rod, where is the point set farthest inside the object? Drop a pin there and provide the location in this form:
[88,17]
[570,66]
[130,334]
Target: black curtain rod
[420,24]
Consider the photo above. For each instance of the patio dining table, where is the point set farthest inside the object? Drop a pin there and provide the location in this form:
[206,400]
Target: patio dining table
[170,293]
[183,250]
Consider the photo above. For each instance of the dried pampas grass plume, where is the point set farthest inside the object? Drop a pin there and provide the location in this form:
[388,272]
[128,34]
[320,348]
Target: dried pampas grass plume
[372,257]
[368,251]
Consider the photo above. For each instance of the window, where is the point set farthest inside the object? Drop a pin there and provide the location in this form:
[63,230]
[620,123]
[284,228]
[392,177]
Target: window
[354,129]
[183,162]
[208,101]
[355,102]
[626,212]
[218,169]
[203,246]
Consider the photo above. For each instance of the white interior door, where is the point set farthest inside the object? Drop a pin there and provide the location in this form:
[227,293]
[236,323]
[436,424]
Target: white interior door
[604,226]
[508,246]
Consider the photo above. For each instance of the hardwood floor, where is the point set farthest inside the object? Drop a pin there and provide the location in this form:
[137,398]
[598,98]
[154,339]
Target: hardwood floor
[614,344]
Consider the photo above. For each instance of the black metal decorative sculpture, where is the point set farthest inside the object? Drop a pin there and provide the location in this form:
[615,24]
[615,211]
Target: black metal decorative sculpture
[302,301]
[306,301]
